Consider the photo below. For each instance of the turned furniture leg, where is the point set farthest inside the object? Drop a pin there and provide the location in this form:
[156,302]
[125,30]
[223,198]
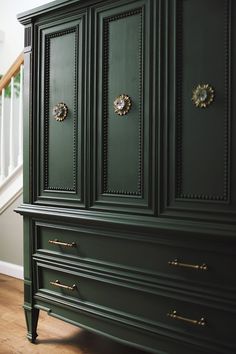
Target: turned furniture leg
[31,316]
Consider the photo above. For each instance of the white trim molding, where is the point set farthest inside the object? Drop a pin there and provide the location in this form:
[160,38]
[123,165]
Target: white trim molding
[13,270]
[11,188]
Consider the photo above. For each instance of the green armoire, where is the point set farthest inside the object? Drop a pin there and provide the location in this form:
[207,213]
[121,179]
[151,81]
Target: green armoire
[129,171]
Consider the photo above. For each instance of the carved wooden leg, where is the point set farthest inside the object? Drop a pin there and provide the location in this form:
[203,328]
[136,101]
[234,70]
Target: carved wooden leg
[31,316]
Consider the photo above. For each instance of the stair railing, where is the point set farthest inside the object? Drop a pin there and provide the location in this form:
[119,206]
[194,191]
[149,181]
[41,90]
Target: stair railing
[11,124]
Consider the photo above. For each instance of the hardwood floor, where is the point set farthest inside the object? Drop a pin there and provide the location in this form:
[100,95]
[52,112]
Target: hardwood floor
[53,335]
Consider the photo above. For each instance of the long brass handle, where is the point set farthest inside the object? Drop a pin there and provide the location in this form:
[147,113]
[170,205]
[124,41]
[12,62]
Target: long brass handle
[64,244]
[173,314]
[176,263]
[59,285]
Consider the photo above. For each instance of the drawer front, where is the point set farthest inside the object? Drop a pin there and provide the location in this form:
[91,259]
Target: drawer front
[186,265]
[181,316]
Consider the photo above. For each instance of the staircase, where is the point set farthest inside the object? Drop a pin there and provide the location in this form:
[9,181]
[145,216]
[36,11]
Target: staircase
[11,123]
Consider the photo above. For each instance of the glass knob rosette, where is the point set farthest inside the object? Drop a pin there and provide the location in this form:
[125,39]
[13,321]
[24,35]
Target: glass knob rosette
[203,95]
[60,111]
[122,104]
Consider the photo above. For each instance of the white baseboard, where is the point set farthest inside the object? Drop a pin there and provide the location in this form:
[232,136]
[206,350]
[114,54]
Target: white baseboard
[13,270]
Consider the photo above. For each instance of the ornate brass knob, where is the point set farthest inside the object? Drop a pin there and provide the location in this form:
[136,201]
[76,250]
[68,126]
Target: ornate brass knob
[203,95]
[122,104]
[60,111]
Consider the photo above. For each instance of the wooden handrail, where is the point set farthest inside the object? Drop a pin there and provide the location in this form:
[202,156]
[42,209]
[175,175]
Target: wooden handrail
[12,71]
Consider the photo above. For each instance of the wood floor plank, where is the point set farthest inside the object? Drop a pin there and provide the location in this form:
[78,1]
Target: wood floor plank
[54,336]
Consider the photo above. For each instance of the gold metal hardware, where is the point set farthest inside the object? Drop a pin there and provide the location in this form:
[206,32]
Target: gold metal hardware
[173,314]
[60,111]
[122,104]
[59,285]
[176,263]
[203,95]
[64,244]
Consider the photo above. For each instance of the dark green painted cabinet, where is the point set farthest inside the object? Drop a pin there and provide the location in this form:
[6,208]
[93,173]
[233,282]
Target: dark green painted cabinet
[122,149]
[61,78]
[129,168]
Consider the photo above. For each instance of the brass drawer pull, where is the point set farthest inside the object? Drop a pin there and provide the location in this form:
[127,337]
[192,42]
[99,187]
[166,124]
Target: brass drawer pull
[59,285]
[64,244]
[173,314]
[176,263]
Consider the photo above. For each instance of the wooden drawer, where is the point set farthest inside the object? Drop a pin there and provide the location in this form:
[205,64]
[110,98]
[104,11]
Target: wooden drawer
[161,311]
[149,256]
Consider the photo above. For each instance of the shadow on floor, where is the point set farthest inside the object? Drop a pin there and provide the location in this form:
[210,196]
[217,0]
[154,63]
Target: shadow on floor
[91,343]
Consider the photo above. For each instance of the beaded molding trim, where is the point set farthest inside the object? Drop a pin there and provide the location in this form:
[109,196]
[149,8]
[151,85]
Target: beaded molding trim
[107,20]
[47,113]
[179,181]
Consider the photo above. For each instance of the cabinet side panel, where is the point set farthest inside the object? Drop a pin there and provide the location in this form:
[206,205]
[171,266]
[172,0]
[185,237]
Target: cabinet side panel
[27,115]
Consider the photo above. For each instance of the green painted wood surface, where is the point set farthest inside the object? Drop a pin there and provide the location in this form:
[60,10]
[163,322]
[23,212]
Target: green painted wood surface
[62,83]
[202,173]
[124,73]
[61,143]
[135,191]
[122,151]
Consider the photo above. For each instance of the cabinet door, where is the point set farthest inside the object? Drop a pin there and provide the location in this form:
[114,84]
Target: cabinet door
[123,131]
[200,121]
[61,81]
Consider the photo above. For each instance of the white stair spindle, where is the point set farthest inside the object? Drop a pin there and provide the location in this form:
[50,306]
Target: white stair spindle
[20,154]
[11,156]
[2,162]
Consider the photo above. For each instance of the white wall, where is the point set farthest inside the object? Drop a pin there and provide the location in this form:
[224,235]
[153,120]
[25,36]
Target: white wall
[11,45]
[11,231]
[11,224]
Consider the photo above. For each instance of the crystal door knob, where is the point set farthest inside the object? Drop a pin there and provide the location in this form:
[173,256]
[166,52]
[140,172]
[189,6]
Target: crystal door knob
[122,104]
[60,111]
[203,95]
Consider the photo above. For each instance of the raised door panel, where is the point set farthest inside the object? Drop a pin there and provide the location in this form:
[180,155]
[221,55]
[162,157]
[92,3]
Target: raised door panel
[61,112]
[198,165]
[123,138]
